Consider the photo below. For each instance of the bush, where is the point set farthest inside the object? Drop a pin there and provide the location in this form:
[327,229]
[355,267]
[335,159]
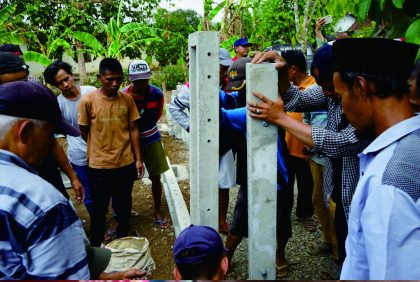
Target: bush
[170,75]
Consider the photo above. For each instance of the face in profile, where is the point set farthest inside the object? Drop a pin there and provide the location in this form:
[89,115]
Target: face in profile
[356,107]
[242,51]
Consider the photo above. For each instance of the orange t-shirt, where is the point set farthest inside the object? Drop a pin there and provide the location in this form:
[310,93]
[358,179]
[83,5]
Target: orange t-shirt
[294,145]
[109,144]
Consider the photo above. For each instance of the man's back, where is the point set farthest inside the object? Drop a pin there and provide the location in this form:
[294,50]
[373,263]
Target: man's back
[41,236]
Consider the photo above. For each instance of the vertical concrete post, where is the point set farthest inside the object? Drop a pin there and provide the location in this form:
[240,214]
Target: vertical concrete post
[262,177]
[204,127]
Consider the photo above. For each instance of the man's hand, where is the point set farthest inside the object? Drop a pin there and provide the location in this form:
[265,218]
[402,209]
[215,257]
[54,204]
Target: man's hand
[78,190]
[134,274]
[269,56]
[140,169]
[319,24]
[269,111]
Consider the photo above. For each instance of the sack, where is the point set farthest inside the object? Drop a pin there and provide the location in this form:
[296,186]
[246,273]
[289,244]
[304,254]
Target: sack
[130,252]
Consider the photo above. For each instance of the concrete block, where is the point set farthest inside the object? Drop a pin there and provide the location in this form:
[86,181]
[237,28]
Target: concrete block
[176,204]
[262,178]
[204,127]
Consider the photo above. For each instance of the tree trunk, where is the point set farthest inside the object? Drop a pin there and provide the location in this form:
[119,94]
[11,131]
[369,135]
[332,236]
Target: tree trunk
[81,62]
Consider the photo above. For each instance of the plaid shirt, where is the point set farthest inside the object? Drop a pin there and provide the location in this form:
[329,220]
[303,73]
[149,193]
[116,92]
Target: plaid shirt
[330,141]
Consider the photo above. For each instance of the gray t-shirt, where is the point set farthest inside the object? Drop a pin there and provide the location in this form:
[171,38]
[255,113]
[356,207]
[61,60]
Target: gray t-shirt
[76,146]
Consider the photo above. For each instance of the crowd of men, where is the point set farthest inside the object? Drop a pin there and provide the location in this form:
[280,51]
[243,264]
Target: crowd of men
[353,154]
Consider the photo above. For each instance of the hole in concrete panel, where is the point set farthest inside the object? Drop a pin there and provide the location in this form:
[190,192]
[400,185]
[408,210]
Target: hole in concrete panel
[208,76]
[208,210]
[209,120]
[208,141]
[208,54]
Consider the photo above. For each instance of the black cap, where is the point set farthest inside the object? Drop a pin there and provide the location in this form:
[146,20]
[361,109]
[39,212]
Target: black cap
[236,74]
[11,63]
[378,56]
[323,61]
[35,101]
[11,48]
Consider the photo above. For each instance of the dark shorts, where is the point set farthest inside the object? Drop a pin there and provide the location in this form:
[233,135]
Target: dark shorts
[154,158]
[239,225]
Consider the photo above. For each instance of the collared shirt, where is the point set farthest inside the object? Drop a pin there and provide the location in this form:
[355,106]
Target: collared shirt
[383,242]
[41,236]
[331,141]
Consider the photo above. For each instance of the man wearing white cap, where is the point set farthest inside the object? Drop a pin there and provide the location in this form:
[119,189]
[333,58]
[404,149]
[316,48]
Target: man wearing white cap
[149,101]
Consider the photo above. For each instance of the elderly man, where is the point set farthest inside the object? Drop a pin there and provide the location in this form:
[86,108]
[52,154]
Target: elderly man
[41,235]
[384,224]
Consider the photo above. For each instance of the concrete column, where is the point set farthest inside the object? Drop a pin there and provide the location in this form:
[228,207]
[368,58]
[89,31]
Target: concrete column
[204,127]
[262,177]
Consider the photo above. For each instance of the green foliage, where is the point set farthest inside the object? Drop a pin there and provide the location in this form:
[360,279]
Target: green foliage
[171,75]
[175,28]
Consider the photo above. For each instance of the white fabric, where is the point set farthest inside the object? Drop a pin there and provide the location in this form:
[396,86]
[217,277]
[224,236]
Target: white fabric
[227,171]
[76,149]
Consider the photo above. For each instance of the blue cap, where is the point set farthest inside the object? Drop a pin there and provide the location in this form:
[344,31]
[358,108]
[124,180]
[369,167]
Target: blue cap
[242,42]
[34,101]
[203,238]
[323,60]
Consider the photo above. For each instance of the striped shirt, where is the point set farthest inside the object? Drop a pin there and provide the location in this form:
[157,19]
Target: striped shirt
[41,236]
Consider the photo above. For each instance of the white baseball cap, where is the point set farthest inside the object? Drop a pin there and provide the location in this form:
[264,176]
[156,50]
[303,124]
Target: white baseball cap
[139,69]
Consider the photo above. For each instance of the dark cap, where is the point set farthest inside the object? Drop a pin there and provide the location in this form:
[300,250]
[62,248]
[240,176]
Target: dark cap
[11,63]
[203,238]
[323,61]
[11,48]
[242,42]
[35,101]
[378,56]
[237,74]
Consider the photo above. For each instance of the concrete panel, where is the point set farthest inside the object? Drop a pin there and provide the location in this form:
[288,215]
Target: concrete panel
[204,127]
[262,178]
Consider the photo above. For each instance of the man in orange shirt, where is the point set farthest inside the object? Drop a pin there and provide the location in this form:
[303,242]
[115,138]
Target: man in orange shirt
[298,160]
[107,120]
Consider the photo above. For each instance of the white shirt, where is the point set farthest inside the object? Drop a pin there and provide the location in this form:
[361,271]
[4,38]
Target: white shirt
[383,241]
[76,146]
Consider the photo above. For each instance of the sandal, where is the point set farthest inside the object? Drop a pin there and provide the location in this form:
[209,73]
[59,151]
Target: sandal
[111,234]
[134,213]
[309,224]
[282,270]
[163,223]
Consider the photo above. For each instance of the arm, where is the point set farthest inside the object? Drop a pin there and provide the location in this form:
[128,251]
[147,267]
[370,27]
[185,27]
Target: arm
[160,108]
[84,131]
[177,108]
[134,274]
[234,119]
[64,165]
[135,144]
[320,39]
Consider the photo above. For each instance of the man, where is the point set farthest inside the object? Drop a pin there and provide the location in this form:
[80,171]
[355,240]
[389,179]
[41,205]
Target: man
[60,75]
[41,235]
[107,121]
[241,47]
[227,172]
[199,254]
[13,68]
[337,141]
[15,49]
[149,101]
[384,223]
[298,160]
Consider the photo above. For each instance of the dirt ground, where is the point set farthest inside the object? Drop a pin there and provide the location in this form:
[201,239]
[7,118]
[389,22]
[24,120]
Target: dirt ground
[161,240]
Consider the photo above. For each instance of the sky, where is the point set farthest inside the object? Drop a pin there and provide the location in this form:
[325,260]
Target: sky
[196,5]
